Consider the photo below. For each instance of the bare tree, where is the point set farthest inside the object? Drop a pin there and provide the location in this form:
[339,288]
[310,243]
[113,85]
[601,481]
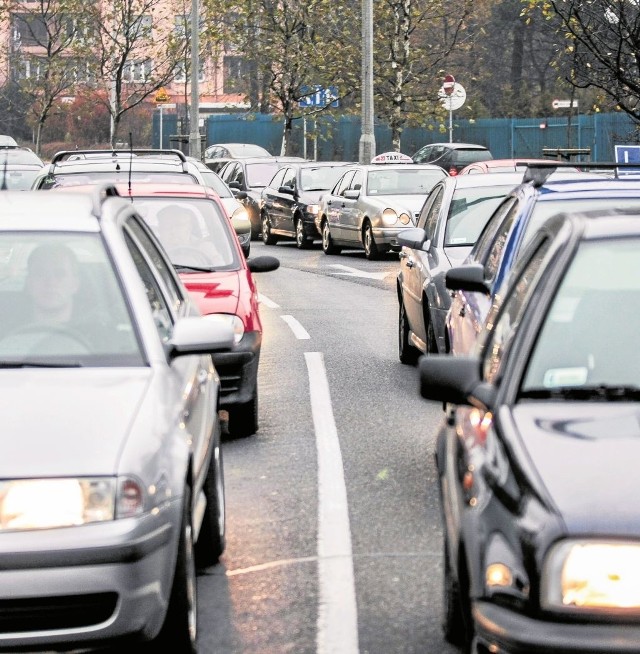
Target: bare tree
[136,52]
[43,54]
[603,38]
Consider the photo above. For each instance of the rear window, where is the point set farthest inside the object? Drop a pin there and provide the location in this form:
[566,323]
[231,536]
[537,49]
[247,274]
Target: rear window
[464,157]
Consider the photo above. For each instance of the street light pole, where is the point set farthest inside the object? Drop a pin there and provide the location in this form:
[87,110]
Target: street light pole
[194,112]
[367,138]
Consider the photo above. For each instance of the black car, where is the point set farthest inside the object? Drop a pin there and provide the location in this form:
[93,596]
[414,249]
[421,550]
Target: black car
[537,455]
[290,202]
[453,157]
[247,178]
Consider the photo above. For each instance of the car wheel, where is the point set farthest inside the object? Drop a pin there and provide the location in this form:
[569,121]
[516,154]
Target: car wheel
[302,242]
[328,246]
[370,248]
[432,344]
[211,540]
[267,237]
[453,623]
[408,353]
[243,418]
[180,629]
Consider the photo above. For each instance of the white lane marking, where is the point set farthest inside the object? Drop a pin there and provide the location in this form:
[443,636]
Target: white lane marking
[263,299]
[298,330]
[337,623]
[354,272]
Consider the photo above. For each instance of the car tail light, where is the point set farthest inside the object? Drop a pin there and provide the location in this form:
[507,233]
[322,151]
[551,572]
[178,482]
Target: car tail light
[453,171]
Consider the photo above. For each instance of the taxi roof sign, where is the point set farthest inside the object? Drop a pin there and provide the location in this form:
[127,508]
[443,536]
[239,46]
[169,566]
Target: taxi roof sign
[162,96]
[391,157]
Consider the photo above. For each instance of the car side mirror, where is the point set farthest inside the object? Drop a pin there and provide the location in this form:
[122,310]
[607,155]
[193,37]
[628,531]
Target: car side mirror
[414,238]
[286,189]
[467,277]
[263,264]
[351,194]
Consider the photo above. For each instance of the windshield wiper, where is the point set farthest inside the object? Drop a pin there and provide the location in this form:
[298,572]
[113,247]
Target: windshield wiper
[601,392]
[184,268]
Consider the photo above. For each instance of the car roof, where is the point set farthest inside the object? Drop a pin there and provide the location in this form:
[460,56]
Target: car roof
[31,210]
[460,146]
[140,189]
[484,179]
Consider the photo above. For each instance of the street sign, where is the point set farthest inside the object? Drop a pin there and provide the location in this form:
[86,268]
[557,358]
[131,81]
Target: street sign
[449,84]
[161,96]
[455,99]
[564,104]
[317,96]
[628,154]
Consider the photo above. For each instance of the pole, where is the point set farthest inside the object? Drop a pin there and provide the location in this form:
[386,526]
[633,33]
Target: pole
[161,146]
[367,138]
[450,122]
[194,114]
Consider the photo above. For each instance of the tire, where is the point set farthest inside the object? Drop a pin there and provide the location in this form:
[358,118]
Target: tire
[180,629]
[212,538]
[453,624]
[407,353]
[302,242]
[243,418]
[328,246]
[370,248]
[432,344]
[267,237]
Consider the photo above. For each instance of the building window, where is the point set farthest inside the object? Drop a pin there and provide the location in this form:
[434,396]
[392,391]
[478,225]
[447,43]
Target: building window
[29,30]
[236,75]
[137,71]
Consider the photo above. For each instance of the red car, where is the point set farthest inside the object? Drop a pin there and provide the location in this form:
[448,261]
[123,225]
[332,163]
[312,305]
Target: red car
[197,234]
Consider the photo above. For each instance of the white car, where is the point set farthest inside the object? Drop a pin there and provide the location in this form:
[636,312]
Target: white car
[111,476]
[372,203]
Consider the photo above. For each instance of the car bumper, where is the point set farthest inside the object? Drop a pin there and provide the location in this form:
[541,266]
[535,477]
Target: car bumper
[503,631]
[238,370]
[389,236]
[87,585]
[310,229]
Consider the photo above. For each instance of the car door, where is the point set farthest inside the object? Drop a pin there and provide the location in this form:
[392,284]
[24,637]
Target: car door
[416,264]
[351,210]
[193,378]
[283,200]
[335,203]
[269,193]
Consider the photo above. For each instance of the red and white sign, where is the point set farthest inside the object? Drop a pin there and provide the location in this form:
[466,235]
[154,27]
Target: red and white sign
[449,84]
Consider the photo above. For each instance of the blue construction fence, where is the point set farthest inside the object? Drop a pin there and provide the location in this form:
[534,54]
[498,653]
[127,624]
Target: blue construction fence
[337,138]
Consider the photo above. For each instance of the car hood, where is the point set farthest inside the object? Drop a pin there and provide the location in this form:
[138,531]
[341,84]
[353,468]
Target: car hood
[59,422]
[412,202]
[216,292]
[586,455]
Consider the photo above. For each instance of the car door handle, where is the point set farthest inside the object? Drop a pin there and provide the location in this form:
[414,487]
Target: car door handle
[402,255]
[203,377]
[410,263]
[462,312]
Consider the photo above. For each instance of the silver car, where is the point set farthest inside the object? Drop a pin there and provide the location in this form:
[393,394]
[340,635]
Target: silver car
[111,478]
[371,204]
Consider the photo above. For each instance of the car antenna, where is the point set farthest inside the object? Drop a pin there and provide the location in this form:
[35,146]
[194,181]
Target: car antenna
[4,186]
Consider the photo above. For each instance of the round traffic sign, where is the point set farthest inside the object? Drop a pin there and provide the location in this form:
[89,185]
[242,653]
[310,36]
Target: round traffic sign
[455,99]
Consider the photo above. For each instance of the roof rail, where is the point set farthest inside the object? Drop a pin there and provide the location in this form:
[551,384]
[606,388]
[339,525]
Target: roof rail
[65,155]
[100,194]
[539,172]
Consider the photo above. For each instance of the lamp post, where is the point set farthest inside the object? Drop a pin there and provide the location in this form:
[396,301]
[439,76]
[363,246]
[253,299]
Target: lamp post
[194,110]
[367,137]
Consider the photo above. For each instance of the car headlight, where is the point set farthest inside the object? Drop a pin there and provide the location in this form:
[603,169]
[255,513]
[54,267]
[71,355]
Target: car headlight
[592,575]
[27,504]
[240,214]
[313,209]
[389,217]
[231,319]
[404,218]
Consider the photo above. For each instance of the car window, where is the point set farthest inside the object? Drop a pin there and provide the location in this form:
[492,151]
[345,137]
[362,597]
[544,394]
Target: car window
[434,197]
[431,224]
[509,314]
[469,212]
[423,154]
[343,184]
[357,180]
[504,219]
[276,182]
[462,156]
[289,179]
[164,268]
[157,303]
[259,174]
[61,302]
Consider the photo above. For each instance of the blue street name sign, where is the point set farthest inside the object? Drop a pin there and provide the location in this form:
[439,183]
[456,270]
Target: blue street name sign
[628,154]
[317,96]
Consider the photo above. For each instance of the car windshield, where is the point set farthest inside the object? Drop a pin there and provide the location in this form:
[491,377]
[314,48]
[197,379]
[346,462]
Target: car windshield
[321,178]
[195,233]
[19,179]
[213,180]
[464,157]
[409,181]
[61,304]
[469,211]
[588,343]
[258,175]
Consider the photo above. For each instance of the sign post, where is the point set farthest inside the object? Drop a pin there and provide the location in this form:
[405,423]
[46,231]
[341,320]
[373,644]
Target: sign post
[452,96]
[161,98]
